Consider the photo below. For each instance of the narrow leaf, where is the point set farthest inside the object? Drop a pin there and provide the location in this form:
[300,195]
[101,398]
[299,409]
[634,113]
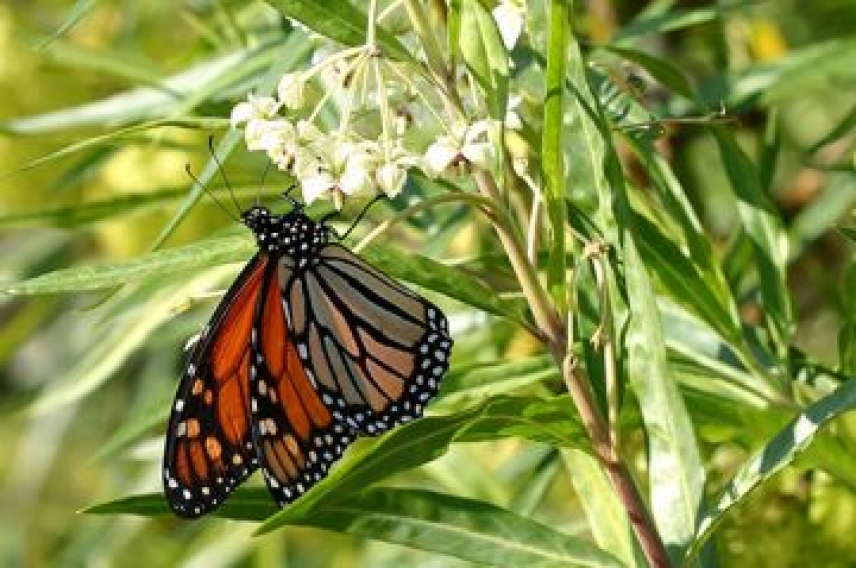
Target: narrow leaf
[340,21]
[466,529]
[484,54]
[764,229]
[180,260]
[424,440]
[606,515]
[556,159]
[777,454]
[245,504]
[663,71]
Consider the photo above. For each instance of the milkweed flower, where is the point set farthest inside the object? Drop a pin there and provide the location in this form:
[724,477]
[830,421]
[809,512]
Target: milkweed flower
[391,172]
[338,168]
[291,89]
[467,143]
[254,108]
[510,16]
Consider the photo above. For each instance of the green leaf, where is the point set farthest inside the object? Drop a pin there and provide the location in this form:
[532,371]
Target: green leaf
[245,504]
[676,475]
[799,74]
[340,21]
[607,518]
[764,229]
[411,445]
[815,219]
[75,14]
[681,279]
[483,380]
[90,212]
[777,454]
[369,461]
[463,528]
[484,54]
[843,128]
[188,259]
[126,67]
[180,260]
[657,21]
[663,71]
[680,208]
[134,430]
[555,155]
[146,103]
[116,136]
[125,335]
[466,529]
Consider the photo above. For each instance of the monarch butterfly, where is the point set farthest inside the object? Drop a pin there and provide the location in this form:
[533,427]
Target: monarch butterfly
[310,348]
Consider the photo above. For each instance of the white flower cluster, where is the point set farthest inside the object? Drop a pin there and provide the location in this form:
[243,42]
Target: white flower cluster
[344,161]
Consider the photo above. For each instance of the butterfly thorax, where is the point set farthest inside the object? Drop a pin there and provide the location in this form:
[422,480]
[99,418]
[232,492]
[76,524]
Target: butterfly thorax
[293,234]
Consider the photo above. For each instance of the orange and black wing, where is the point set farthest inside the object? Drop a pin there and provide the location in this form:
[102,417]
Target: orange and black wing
[209,444]
[375,350]
[296,434]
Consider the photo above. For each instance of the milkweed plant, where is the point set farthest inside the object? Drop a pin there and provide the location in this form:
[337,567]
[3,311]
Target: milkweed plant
[623,340]
[445,111]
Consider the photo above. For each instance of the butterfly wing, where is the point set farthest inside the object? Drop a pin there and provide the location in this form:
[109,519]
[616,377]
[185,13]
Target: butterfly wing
[375,350]
[209,446]
[296,434]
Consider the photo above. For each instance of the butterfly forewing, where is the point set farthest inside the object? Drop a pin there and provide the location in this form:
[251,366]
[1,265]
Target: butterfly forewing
[376,350]
[209,448]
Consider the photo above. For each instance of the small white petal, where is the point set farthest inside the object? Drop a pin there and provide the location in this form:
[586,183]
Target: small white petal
[254,108]
[509,18]
[390,178]
[290,90]
[315,185]
[439,157]
[241,113]
[480,154]
[355,178]
[308,132]
[477,131]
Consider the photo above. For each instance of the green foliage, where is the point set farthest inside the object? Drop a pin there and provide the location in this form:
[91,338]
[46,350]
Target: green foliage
[665,252]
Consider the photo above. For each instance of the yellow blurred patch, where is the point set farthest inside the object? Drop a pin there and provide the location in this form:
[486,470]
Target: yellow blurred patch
[767,41]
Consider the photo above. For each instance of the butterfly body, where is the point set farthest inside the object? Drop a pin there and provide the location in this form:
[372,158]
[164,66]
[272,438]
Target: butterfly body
[310,348]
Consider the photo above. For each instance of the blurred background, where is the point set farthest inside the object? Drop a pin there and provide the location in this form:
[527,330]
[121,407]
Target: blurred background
[85,379]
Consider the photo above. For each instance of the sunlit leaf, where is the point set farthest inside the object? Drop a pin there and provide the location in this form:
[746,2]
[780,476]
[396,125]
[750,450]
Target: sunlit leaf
[777,454]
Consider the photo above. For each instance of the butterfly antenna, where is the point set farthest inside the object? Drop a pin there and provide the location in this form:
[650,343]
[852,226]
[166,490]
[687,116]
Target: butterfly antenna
[264,179]
[357,219]
[222,171]
[287,196]
[209,193]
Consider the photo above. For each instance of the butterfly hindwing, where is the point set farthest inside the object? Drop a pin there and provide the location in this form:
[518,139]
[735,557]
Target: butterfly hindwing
[375,349]
[297,435]
[209,449]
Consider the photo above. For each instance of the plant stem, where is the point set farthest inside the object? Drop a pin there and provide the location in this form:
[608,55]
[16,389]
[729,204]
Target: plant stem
[619,475]
[552,329]
[546,317]
[554,334]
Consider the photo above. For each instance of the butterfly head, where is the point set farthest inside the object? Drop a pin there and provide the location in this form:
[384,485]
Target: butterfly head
[256,218]
[293,233]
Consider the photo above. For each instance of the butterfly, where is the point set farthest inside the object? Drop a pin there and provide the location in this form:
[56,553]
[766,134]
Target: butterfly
[310,348]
